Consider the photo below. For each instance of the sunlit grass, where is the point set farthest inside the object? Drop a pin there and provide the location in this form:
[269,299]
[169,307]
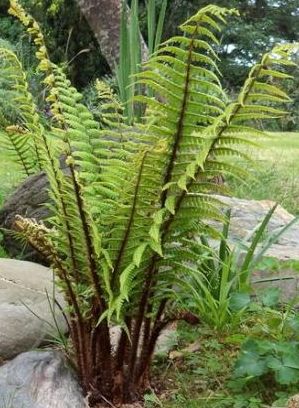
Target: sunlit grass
[10,174]
[276,176]
[10,177]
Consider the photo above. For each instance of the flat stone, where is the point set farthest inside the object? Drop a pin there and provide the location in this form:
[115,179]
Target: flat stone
[247,214]
[26,319]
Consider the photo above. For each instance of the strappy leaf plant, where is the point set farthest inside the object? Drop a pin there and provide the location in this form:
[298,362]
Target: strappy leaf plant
[221,291]
[133,51]
[131,199]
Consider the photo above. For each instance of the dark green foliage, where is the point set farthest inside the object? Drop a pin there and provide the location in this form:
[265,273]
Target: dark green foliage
[261,357]
[67,34]
[291,122]
[269,357]
[261,25]
[130,58]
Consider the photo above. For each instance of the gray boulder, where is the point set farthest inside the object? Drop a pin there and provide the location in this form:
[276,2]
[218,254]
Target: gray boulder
[247,214]
[27,200]
[26,319]
[39,379]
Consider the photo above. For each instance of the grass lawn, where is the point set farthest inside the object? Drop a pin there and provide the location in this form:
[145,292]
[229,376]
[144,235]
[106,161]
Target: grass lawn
[10,176]
[276,176]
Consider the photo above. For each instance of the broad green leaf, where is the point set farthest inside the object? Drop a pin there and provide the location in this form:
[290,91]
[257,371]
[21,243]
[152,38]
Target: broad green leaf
[239,301]
[271,296]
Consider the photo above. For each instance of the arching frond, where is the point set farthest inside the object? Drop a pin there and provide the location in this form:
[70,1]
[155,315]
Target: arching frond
[222,143]
[184,75]
[18,129]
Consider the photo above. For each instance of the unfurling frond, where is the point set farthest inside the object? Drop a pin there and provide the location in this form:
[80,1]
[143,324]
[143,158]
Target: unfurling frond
[37,235]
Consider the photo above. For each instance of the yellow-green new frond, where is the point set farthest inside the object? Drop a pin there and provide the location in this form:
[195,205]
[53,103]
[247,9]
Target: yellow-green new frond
[19,131]
[34,30]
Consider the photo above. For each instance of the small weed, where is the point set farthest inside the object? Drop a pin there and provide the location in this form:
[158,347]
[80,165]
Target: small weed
[275,265]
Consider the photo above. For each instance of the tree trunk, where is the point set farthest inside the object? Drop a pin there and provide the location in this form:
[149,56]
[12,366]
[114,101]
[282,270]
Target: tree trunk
[104,17]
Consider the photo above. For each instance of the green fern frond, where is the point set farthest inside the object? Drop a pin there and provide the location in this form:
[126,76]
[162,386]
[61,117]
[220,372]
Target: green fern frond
[186,166]
[185,77]
[19,134]
[238,115]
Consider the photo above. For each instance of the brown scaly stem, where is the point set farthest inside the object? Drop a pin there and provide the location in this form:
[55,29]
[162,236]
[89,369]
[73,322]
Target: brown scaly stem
[123,380]
[100,370]
[152,268]
[138,323]
[159,326]
[39,242]
[180,128]
[145,338]
[78,336]
[148,354]
[104,347]
[121,350]
[121,354]
[77,333]
[91,258]
[146,334]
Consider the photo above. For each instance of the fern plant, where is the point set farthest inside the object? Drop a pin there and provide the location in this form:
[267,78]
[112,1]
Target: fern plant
[126,211]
